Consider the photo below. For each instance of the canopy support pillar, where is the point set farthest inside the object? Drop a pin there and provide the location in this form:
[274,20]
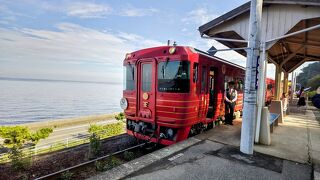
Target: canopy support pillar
[250,92]
[278,82]
[285,83]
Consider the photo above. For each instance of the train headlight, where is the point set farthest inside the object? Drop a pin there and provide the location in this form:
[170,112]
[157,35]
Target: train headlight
[172,50]
[123,103]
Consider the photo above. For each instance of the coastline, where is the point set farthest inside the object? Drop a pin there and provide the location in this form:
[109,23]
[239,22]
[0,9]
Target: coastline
[67,122]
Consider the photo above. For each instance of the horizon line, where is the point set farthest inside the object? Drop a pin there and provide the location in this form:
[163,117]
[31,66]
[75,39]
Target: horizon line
[54,80]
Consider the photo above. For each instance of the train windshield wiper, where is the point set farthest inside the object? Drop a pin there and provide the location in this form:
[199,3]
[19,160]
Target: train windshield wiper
[164,67]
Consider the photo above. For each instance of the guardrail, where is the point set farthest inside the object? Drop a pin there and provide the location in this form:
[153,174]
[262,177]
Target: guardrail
[54,146]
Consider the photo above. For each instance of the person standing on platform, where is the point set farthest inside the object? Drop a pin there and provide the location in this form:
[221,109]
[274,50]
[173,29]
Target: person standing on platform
[230,102]
[302,99]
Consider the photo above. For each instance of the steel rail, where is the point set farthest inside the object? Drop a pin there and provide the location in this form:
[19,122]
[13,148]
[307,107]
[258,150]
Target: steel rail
[88,162]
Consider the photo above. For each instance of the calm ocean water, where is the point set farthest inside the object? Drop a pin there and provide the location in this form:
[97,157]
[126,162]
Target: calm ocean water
[24,101]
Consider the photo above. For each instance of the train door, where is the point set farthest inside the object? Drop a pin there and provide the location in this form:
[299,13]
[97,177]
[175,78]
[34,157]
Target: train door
[212,93]
[203,91]
[146,90]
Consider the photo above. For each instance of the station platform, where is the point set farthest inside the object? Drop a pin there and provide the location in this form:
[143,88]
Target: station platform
[294,153]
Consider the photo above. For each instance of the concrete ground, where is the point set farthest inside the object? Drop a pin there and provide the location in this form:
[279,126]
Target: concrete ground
[294,150]
[211,160]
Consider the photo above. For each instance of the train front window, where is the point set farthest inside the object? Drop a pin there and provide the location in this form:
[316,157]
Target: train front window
[174,76]
[129,82]
[146,77]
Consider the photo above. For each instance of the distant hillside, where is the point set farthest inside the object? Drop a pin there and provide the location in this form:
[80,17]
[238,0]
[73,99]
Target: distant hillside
[308,73]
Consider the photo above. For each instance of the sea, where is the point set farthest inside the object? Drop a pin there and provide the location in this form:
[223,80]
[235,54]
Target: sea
[35,100]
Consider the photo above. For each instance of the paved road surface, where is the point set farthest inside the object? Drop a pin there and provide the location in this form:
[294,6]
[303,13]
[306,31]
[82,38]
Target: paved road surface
[62,134]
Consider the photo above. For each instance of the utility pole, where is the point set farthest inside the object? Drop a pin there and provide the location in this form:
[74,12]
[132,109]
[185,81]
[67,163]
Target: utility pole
[250,92]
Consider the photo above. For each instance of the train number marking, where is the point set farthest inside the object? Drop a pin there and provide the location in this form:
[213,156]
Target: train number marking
[145,104]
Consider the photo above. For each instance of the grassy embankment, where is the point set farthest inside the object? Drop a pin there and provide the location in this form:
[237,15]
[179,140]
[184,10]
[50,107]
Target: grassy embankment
[107,130]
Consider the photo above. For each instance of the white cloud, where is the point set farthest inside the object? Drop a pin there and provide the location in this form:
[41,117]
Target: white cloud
[184,30]
[71,46]
[131,11]
[136,39]
[88,10]
[199,16]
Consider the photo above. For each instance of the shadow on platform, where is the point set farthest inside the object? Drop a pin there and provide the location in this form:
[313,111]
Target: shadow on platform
[215,154]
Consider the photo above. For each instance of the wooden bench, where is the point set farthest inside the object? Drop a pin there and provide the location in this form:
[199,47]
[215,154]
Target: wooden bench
[273,120]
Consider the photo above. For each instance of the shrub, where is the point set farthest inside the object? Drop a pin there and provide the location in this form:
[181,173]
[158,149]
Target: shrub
[108,130]
[67,175]
[113,129]
[41,134]
[111,162]
[99,166]
[16,137]
[94,128]
[120,117]
[311,94]
[19,160]
[107,164]
[19,135]
[128,156]
[95,145]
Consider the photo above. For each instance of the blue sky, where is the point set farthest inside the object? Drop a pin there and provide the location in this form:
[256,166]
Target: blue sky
[87,40]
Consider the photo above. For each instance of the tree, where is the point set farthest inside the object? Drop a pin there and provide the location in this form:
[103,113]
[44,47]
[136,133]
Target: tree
[308,72]
[16,137]
[314,83]
[98,132]
[20,135]
[95,145]
[120,117]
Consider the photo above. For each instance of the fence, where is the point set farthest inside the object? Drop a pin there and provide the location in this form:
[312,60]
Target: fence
[55,146]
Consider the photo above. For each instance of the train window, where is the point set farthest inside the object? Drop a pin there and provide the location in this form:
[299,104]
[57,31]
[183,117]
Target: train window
[173,76]
[226,80]
[240,85]
[195,72]
[146,77]
[129,82]
[204,79]
[211,79]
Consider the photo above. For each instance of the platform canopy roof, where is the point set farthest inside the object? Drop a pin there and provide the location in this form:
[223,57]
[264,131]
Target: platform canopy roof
[279,17]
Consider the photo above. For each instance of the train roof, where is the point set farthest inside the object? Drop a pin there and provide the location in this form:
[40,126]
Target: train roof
[219,59]
[148,51]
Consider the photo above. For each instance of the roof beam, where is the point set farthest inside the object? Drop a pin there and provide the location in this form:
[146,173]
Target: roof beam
[279,56]
[303,3]
[294,33]
[307,45]
[291,56]
[275,63]
[308,56]
[225,39]
[305,24]
[297,65]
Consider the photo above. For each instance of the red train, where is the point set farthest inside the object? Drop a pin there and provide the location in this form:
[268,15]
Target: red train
[172,92]
[269,90]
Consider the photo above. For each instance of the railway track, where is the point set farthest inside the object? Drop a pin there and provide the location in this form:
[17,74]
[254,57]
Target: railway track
[118,145]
